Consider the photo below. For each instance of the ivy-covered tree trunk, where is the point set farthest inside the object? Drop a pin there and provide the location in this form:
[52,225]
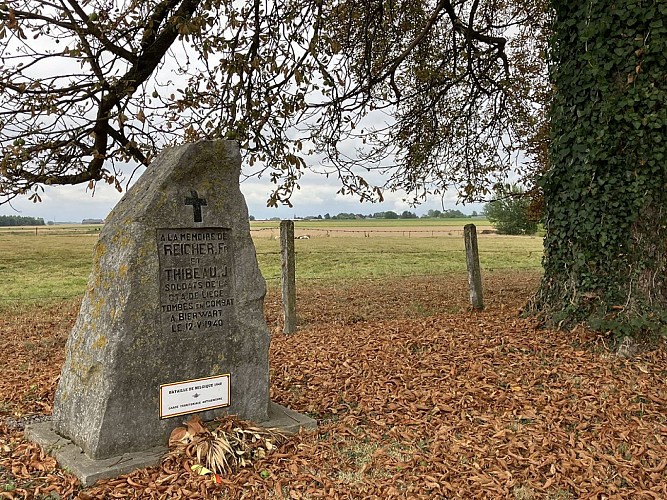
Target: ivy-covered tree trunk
[606,190]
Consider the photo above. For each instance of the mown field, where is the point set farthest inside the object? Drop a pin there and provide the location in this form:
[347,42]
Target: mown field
[416,395]
[52,263]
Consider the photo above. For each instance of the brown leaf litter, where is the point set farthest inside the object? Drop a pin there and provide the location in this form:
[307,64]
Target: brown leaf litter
[416,397]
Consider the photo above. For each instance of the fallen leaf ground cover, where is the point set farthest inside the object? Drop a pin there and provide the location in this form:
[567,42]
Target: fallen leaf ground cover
[416,397]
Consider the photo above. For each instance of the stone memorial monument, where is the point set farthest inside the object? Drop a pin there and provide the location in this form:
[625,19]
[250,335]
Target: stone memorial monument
[172,319]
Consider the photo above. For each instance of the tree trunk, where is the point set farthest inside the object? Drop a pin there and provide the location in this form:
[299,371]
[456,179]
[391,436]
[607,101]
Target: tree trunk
[605,193]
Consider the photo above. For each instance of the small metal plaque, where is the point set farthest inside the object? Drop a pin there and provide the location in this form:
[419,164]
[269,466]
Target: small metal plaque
[196,291]
[193,396]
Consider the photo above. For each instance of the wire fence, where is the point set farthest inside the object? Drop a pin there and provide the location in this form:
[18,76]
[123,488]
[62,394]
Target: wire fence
[300,231]
[68,230]
[368,232]
[512,260]
[375,232]
[406,252]
[333,261]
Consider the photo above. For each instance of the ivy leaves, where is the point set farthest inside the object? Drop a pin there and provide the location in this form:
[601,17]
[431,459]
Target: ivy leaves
[606,188]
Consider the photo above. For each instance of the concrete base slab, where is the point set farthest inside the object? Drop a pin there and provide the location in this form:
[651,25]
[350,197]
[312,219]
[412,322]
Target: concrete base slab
[287,421]
[70,457]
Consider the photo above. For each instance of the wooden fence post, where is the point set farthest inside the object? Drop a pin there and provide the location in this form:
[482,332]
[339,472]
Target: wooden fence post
[472,261]
[287,275]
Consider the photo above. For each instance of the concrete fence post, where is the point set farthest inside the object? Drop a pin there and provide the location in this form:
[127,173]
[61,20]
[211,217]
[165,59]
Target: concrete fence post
[287,275]
[474,272]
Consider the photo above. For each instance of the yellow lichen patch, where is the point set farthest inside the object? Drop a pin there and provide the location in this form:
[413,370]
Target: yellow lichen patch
[121,238]
[96,306]
[100,343]
[122,270]
[147,249]
[93,372]
[99,251]
[79,365]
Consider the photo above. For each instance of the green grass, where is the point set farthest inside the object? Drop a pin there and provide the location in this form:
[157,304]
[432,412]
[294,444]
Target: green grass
[381,256]
[45,267]
[54,264]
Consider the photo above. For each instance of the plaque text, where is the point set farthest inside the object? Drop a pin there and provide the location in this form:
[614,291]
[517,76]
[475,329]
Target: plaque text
[196,293]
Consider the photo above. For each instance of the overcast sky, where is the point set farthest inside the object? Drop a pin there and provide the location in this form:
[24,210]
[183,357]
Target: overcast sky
[317,196]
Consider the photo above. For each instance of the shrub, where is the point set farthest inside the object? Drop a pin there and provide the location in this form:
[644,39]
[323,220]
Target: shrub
[509,212]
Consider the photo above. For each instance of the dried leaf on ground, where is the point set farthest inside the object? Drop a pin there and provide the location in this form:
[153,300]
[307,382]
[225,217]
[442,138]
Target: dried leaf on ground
[416,397]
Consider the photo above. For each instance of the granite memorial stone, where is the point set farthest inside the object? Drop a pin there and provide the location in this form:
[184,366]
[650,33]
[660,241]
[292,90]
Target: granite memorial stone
[172,319]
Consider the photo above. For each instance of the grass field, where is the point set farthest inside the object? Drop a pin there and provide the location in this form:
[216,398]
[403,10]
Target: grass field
[53,263]
[371,257]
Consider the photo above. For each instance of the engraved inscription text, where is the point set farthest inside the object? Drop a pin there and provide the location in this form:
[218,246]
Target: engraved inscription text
[196,293]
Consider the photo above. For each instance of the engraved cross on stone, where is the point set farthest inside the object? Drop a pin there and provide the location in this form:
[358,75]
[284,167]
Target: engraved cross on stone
[196,203]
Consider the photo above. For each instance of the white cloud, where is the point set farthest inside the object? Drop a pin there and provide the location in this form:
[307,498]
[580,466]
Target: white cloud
[317,196]
[66,204]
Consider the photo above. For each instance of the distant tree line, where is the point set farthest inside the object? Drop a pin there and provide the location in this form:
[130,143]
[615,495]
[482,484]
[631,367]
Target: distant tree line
[390,214]
[448,214]
[18,220]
